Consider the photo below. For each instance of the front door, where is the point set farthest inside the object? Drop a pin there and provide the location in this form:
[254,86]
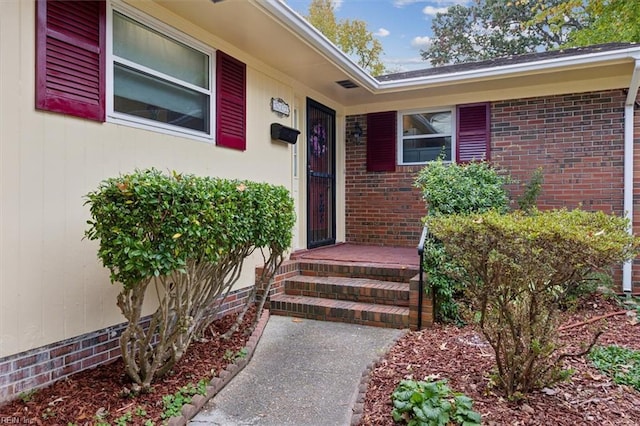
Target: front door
[321,179]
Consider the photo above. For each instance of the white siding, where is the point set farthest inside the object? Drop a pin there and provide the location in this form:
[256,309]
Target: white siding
[52,286]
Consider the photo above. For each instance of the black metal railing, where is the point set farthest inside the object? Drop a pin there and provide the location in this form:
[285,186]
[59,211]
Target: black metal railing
[423,238]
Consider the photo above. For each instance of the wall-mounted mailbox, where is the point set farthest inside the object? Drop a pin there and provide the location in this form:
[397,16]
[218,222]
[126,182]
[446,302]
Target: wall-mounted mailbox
[284,133]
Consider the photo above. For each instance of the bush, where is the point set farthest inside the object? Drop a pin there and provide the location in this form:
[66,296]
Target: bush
[432,404]
[462,188]
[187,238]
[517,269]
[455,189]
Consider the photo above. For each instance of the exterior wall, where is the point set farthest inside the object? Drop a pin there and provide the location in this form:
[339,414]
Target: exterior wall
[47,364]
[52,287]
[382,208]
[578,140]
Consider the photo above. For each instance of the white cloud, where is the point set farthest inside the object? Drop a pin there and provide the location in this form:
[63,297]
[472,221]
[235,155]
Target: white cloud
[421,42]
[382,32]
[337,4]
[433,11]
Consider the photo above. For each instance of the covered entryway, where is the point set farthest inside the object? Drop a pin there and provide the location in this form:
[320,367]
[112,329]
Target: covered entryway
[321,179]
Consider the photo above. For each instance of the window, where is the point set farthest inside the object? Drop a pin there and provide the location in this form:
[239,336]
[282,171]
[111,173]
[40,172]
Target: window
[425,136]
[158,80]
[154,77]
[459,134]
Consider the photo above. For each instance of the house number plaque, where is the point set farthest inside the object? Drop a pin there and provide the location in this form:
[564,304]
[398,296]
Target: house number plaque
[280,107]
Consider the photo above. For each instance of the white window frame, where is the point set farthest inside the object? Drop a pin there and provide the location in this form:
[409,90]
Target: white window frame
[138,122]
[401,137]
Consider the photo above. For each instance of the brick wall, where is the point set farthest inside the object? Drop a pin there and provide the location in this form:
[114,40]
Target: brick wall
[382,208]
[578,140]
[43,366]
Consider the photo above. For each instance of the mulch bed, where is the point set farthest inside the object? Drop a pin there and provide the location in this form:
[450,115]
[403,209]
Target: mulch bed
[461,356]
[103,391]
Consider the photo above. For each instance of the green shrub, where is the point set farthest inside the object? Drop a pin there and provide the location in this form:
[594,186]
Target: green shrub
[533,188]
[621,364]
[517,270]
[431,404]
[187,238]
[462,188]
[455,189]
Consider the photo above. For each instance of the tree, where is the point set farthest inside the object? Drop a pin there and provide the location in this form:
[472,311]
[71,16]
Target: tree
[605,21]
[493,28]
[351,36]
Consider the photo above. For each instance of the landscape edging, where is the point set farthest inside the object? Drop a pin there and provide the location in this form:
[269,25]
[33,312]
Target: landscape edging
[217,383]
[357,401]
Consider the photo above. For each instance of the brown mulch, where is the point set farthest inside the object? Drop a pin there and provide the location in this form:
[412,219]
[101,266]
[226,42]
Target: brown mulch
[464,359]
[103,391]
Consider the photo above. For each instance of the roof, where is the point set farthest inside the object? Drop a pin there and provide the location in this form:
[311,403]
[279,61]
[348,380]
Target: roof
[507,60]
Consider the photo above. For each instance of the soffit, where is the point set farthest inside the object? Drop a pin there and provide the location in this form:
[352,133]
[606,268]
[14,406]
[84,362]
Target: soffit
[251,27]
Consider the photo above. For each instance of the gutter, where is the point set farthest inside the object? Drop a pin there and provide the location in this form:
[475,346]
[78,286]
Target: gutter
[627,268]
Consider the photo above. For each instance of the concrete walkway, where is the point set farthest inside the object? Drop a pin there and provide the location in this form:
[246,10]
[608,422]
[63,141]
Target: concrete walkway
[303,373]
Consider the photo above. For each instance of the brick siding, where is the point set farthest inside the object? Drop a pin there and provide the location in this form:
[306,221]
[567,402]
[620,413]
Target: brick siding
[578,140]
[43,366]
[382,208]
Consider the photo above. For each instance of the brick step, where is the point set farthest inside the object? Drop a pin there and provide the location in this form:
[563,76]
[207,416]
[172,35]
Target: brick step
[322,309]
[375,271]
[362,290]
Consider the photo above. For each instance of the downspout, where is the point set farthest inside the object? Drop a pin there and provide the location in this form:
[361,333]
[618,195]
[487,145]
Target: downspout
[627,279]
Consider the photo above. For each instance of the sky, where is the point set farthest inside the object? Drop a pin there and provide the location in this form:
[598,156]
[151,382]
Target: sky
[402,26]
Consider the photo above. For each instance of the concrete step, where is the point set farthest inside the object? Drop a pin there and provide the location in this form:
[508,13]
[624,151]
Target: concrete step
[362,290]
[323,309]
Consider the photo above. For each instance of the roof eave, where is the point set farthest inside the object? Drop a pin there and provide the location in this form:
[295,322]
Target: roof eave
[528,68]
[303,29]
[307,32]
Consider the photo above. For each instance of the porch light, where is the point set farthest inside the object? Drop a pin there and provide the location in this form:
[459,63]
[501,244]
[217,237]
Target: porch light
[357,133]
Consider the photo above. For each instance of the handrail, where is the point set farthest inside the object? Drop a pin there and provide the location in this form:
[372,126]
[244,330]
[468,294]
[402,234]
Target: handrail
[423,238]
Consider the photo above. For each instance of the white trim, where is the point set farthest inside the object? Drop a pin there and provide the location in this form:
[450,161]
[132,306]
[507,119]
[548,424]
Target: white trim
[400,137]
[141,123]
[627,268]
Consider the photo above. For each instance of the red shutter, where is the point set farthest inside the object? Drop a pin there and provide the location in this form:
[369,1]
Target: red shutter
[231,101]
[473,137]
[381,141]
[70,57]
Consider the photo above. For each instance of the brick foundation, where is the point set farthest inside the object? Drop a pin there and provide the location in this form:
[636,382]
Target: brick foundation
[45,365]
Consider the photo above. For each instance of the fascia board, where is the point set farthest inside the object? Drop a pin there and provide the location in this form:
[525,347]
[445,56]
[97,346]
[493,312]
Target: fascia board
[547,65]
[310,35]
